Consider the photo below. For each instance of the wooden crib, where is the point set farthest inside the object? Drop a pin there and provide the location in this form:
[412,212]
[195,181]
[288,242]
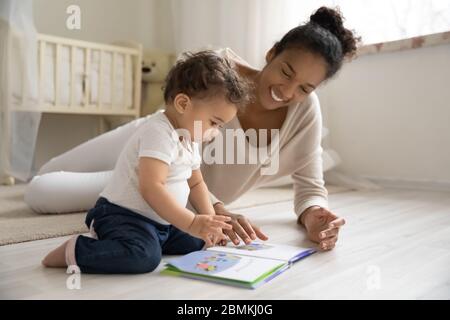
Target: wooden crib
[88,78]
[81,77]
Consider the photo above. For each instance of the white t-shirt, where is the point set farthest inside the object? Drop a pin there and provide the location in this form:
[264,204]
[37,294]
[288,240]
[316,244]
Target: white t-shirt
[155,138]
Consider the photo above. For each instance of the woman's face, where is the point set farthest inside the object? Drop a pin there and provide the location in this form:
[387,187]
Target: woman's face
[289,77]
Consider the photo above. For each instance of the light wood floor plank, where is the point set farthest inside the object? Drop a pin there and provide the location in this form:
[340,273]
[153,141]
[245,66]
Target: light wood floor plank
[400,237]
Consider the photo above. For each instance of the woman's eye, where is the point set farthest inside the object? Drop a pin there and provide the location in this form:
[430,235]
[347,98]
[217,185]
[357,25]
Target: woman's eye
[304,90]
[285,74]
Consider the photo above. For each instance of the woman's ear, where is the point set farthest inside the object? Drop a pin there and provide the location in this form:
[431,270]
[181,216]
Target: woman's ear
[181,103]
[270,55]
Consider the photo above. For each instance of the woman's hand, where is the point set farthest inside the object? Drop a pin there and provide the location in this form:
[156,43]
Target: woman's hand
[322,226]
[242,227]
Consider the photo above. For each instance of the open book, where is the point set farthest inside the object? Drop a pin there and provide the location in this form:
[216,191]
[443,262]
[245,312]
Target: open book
[246,266]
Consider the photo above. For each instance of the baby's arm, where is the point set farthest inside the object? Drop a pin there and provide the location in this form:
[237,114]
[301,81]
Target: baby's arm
[152,185]
[199,195]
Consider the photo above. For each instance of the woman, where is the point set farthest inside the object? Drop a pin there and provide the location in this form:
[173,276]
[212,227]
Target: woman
[283,100]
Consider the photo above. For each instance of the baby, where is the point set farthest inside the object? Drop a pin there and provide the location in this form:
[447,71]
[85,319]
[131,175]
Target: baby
[142,214]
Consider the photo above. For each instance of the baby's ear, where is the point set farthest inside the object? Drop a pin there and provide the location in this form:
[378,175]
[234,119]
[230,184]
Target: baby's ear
[181,103]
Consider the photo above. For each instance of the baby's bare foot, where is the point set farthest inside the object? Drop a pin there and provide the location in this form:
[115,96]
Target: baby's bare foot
[56,258]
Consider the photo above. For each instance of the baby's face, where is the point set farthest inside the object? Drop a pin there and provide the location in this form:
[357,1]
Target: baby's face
[203,118]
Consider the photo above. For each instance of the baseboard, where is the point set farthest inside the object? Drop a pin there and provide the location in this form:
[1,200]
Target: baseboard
[399,183]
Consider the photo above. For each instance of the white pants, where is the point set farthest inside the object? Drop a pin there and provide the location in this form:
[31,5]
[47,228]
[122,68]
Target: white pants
[72,181]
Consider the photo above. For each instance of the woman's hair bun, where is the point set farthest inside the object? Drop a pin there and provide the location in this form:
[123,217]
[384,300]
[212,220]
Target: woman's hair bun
[332,20]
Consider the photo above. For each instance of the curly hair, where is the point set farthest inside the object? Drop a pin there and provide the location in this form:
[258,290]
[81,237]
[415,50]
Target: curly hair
[325,35]
[205,74]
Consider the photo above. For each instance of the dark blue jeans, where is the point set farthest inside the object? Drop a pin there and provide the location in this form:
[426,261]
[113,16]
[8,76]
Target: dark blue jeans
[128,242]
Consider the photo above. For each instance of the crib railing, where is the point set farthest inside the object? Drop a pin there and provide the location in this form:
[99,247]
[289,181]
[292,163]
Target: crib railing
[132,57]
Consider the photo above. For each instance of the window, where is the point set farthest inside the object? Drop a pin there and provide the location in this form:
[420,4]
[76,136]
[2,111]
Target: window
[379,20]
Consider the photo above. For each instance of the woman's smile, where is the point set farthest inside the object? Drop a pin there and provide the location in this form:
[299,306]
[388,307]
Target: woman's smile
[275,96]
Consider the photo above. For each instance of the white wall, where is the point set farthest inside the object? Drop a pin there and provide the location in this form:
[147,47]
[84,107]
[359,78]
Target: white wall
[101,20]
[389,115]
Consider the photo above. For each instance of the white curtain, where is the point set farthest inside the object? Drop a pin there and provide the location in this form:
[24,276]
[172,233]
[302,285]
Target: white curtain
[251,27]
[19,119]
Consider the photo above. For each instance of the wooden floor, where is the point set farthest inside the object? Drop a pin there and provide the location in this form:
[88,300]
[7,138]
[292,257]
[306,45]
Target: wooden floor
[396,245]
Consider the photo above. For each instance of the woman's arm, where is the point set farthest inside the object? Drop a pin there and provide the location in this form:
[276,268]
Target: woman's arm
[310,195]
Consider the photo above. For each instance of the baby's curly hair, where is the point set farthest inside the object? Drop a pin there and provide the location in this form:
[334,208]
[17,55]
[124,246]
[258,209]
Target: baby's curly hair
[205,75]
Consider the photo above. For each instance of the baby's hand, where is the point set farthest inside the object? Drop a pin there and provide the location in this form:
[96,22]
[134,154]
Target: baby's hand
[206,227]
[219,240]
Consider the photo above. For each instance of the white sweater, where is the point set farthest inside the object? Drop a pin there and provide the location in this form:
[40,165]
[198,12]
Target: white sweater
[300,155]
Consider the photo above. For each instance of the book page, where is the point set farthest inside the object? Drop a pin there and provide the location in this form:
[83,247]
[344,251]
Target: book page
[225,265]
[265,250]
